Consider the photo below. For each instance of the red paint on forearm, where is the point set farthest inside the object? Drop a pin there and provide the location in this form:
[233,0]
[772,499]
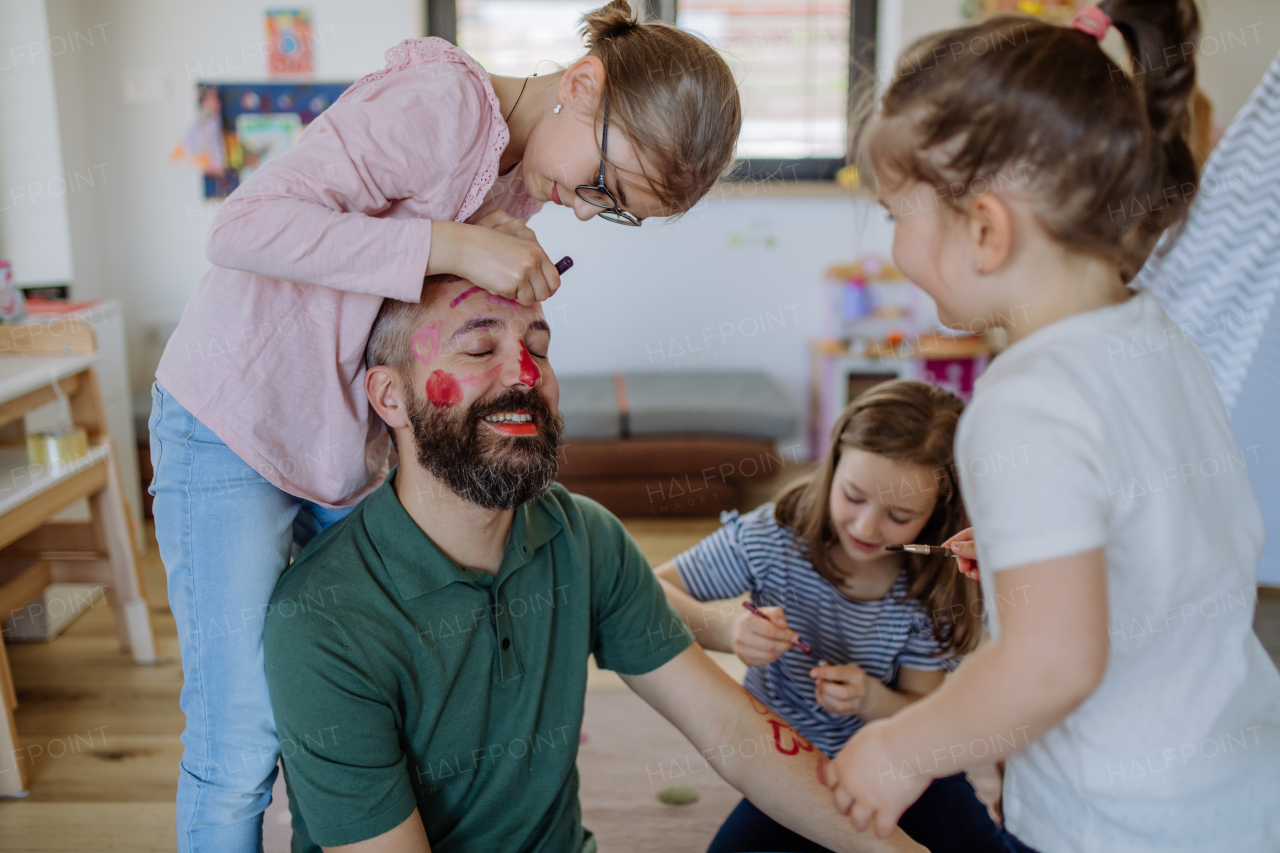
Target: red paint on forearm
[529,373]
[443,390]
[798,741]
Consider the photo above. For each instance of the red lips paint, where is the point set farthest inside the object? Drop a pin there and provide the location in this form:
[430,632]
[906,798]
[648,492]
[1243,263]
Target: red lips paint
[530,428]
[443,390]
[529,373]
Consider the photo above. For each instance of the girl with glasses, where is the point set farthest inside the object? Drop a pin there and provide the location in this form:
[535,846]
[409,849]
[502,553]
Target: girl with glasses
[260,430]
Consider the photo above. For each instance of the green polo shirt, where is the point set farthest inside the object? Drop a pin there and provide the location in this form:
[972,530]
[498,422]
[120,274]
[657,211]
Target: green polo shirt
[400,679]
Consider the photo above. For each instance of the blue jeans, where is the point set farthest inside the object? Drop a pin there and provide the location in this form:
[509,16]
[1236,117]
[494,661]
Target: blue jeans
[948,818]
[225,535]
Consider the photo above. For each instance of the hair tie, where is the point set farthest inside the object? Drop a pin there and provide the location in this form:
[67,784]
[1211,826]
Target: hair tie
[1093,21]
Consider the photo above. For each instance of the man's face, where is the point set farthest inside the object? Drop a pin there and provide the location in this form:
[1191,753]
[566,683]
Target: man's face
[482,400]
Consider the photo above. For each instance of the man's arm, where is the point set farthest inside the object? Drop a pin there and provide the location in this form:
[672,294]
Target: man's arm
[408,837]
[781,776]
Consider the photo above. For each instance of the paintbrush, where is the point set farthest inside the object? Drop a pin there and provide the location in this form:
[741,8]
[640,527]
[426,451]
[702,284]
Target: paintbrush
[923,550]
[800,644]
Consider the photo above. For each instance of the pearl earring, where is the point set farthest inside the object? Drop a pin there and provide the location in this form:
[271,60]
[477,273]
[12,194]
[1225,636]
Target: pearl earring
[557,109]
[978,266]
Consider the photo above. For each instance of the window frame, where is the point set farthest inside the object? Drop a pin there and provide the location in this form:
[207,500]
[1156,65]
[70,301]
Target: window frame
[442,21]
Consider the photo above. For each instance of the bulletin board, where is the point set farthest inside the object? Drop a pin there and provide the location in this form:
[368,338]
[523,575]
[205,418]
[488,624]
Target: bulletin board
[260,120]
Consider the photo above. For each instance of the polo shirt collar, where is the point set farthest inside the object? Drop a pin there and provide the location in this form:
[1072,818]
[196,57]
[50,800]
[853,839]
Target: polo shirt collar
[416,564]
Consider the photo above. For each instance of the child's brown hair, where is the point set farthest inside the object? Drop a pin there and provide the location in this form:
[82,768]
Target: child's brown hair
[672,95]
[913,423]
[1103,155]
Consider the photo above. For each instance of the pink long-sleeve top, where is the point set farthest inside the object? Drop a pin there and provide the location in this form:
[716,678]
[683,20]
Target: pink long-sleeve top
[270,350]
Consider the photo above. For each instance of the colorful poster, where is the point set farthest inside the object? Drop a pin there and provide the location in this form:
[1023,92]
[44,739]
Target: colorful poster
[263,136]
[289,32]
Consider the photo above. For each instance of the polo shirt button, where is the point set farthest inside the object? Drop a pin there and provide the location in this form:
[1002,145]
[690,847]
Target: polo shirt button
[506,642]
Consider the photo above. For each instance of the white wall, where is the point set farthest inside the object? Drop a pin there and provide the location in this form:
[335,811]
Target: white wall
[34,233]
[1239,39]
[139,232]
[693,294]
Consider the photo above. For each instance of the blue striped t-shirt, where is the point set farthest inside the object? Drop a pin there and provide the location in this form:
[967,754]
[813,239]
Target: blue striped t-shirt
[753,553]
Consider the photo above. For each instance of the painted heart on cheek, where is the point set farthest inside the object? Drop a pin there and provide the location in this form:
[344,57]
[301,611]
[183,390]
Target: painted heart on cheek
[529,373]
[443,390]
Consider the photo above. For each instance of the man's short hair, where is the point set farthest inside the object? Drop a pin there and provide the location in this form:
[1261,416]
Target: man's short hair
[391,339]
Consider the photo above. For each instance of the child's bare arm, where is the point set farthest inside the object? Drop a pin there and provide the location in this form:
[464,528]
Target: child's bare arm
[710,621]
[846,689]
[1050,657]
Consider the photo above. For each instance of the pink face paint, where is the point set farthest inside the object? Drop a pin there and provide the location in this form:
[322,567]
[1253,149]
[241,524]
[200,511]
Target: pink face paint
[472,381]
[504,301]
[529,373]
[443,390]
[420,339]
[470,290]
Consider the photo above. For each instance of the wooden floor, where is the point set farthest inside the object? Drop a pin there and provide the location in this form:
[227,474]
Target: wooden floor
[101,735]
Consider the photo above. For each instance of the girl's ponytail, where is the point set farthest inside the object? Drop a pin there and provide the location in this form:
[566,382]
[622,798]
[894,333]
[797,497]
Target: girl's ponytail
[1161,36]
[608,22]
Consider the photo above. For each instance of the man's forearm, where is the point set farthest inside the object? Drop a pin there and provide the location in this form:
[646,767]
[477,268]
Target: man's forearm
[782,781]
[754,750]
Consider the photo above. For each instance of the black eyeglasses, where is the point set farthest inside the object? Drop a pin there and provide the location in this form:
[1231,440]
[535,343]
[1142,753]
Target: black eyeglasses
[599,194]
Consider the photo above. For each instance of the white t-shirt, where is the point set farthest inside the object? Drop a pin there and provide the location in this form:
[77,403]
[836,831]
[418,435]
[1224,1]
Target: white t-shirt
[1105,430]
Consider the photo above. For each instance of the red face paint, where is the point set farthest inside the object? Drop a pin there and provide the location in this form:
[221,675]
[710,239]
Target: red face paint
[443,390]
[529,373]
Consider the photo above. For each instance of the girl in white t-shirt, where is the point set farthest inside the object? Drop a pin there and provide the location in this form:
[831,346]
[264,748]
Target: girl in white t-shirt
[1114,521]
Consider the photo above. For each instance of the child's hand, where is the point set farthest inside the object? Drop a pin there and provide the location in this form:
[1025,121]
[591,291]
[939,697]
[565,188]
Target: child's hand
[988,782]
[505,223]
[759,641]
[499,253]
[866,785]
[966,552]
[841,689]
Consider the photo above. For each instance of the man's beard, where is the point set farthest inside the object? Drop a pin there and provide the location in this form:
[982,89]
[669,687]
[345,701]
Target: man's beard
[480,464]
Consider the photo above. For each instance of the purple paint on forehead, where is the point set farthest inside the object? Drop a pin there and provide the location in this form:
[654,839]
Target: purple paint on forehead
[458,299]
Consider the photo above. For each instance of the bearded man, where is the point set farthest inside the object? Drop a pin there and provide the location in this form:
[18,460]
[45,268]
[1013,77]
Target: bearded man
[427,655]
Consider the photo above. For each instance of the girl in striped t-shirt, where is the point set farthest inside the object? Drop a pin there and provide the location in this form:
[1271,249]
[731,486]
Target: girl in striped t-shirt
[889,625]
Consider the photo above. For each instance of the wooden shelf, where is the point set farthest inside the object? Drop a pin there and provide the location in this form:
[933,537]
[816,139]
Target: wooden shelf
[36,553]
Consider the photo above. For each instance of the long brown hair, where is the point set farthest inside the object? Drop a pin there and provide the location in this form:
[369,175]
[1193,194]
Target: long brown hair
[672,95]
[912,423]
[1013,100]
